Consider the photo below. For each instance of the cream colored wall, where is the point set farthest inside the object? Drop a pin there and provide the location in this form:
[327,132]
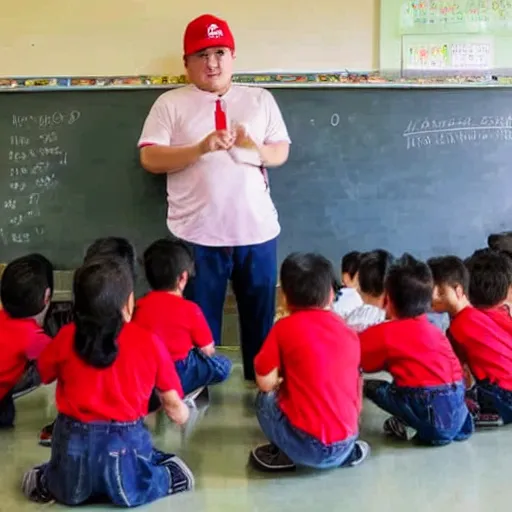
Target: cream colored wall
[132,37]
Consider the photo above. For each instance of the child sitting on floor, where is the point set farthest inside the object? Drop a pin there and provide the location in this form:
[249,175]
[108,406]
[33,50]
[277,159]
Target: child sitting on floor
[104,248]
[478,341]
[426,397]
[347,296]
[373,267]
[308,375]
[25,292]
[178,322]
[106,368]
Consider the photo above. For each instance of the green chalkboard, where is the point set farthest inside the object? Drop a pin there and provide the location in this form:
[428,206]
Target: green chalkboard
[70,173]
[420,170]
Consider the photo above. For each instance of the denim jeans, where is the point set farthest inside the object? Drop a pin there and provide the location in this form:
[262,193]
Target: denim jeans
[112,460]
[496,398]
[198,369]
[252,270]
[302,448]
[438,413]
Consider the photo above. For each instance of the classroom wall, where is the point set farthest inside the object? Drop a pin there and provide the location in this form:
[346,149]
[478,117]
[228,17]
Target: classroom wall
[132,37]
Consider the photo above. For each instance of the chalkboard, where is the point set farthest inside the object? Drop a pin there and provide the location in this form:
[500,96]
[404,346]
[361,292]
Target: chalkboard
[421,170]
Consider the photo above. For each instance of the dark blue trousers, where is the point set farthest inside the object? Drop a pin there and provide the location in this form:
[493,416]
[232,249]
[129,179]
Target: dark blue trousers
[252,270]
[109,460]
[438,413]
[198,370]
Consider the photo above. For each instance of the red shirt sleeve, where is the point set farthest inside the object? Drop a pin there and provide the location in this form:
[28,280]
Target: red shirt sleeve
[201,332]
[268,358]
[167,378]
[373,349]
[36,345]
[52,355]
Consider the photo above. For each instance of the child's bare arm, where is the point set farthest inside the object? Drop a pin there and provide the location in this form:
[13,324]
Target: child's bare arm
[269,382]
[208,350]
[174,407]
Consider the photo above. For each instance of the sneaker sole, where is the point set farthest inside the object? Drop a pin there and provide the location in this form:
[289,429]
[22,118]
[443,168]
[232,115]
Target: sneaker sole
[265,467]
[365,453]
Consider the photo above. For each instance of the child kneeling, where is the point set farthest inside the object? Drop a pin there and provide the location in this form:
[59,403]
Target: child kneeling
[308,374]
[101,447]
[426,397]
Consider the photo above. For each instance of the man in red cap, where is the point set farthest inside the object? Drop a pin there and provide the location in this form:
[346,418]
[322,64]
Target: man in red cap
[214,140]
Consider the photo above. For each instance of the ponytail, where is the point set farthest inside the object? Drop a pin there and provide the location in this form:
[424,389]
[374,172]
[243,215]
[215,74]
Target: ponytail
[96,339]
[102,288]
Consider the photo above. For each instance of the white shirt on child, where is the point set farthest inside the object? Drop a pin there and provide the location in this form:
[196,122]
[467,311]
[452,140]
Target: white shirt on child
[217,201]
[348,300]
[365,316]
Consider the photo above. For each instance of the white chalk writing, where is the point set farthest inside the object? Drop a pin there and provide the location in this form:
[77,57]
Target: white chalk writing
[457,130]
[36,156]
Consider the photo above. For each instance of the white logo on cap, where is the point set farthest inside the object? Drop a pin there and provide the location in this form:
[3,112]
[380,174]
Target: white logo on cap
[214,32]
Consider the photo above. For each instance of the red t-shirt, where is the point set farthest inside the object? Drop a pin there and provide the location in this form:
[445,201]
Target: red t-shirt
[500,315]
[22,340]
[484,345]
[178,322]
[118,393]
[415,352]
[318,356]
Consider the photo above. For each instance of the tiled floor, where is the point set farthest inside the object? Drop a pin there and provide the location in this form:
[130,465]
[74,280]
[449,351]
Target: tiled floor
[470,476]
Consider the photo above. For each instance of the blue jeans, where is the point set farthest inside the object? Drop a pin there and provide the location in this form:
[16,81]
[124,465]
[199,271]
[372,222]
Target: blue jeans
[438,413]
[253,272]
[198,369]
[302,448]
[113,460]
[496,398]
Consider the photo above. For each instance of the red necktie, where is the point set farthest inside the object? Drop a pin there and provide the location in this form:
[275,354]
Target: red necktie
[220,117]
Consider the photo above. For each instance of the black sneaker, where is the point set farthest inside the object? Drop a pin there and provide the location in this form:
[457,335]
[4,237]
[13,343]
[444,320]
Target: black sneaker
[486,419]
[33,486]
[268,457]
[46,434]
[395,427]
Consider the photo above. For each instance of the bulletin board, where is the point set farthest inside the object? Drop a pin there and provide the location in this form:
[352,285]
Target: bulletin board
[446,37]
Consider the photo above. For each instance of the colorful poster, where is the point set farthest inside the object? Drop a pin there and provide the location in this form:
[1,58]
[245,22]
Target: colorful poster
[437,16]
[470,56]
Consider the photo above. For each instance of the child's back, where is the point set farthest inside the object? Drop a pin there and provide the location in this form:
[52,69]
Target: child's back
[426,396]
[319,358]
[179,323]
[25,293]
[119,392]
[106,369]
[308,372]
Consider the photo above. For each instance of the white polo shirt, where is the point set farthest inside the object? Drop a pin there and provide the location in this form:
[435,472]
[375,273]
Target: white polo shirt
[217,201]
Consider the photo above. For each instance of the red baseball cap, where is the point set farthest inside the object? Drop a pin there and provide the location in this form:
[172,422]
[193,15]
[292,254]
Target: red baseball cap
[207,31]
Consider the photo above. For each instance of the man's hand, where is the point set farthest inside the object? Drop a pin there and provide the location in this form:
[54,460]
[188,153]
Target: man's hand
[243,139]
[217,141]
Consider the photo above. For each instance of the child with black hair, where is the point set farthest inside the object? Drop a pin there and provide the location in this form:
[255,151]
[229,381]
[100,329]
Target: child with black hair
[308,375]
[102,248]
[113,246]
[347,297]
[479,342]
[373,267]
[349,267]
[427,395]
[178,322]
[490,286]
[101,447]
[26,290]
